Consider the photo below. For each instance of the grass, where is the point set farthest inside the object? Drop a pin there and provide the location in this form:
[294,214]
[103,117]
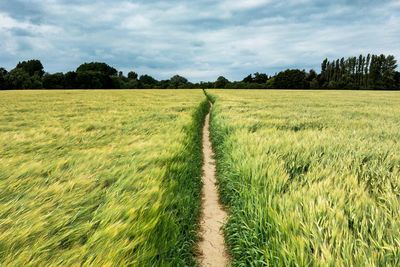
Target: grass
[100,178]
[310,178]
[113,178]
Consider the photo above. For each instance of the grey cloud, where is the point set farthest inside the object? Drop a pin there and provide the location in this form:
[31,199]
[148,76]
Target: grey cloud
[199,39]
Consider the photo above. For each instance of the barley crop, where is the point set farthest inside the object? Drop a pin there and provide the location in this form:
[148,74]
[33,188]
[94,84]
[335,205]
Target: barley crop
[100,178]
[311,178]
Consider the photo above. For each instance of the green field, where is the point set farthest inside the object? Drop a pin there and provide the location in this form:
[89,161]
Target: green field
[113,178]
[311,178]
[100,178]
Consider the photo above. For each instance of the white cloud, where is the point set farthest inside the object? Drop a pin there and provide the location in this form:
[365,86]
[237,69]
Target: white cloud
[8,23]
[198,39]
[240,5]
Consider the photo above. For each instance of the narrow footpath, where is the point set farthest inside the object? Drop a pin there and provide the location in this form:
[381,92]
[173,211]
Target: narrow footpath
[212,247]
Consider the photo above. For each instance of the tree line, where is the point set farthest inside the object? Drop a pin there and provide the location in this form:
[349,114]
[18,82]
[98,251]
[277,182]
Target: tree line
[363,72]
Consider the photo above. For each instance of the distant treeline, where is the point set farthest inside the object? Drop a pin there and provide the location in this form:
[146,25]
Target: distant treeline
[363,72]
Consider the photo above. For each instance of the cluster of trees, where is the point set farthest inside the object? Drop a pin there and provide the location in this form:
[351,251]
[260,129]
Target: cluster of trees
[363,72]
[30,75]
[27,74]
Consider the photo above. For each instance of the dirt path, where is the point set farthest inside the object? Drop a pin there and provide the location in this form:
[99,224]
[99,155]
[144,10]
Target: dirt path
[212,245]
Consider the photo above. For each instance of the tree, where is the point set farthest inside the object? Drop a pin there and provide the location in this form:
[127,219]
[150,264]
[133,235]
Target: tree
[337,70]
[26,75]
[260,78]
[178,82]
[324,66]
[130,84]
[314,84]
[54,81]
[311,75]
[31,67]
[362,72]
[291,79]
[3,75]
[397,80]
[70,81]
[100,67]
[248,79]
[359,70]
[312,79]
[221,82]
[36,82]
[371,72]
[388,72]
[366,71]
[91,80]
[96,75]
[146,81]
[271,83]
[18,78]
[3,72]
[132,75]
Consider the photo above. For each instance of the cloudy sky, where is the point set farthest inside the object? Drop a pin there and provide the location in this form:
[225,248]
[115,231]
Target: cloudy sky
[199,39]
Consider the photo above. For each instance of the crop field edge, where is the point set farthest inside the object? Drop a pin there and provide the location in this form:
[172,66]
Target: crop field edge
[180,211]
[217,141]
[220,131]
[184,201]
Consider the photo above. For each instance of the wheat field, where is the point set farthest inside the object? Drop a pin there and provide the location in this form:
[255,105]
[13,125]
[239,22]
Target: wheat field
[100,178]
[113,178]
[311,178]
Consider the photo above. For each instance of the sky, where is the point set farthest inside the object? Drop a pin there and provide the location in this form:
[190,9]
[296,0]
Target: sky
[198,39]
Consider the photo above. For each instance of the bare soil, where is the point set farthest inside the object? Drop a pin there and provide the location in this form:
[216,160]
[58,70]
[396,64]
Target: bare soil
[212,247]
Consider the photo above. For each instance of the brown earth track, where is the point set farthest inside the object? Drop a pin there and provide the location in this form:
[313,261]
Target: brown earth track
[212,247]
